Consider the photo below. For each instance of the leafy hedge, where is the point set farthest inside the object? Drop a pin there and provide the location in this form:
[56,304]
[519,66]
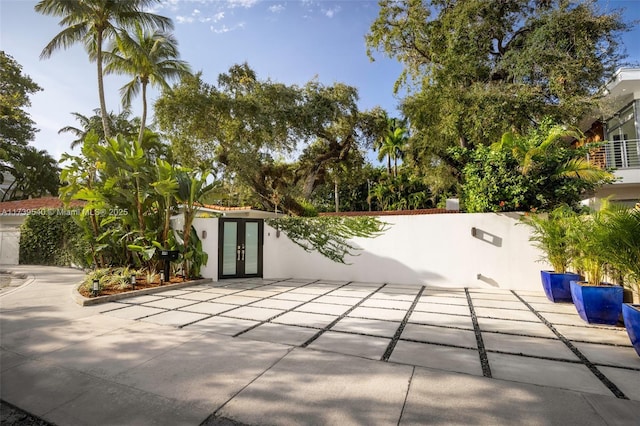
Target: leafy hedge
[52,238]
[537,171]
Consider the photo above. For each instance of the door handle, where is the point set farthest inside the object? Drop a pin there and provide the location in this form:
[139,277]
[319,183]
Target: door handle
[243,252]
[238,253]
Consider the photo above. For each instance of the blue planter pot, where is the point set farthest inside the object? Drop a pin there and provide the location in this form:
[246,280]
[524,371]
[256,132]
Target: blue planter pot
[556,285]
[597,304]
[631,315]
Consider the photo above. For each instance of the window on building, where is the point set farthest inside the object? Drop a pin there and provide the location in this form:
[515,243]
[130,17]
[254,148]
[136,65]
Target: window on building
[623,148]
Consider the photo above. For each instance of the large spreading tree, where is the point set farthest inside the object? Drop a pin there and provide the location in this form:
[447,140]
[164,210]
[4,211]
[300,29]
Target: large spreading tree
[281,141]
[475,69]
[32,172]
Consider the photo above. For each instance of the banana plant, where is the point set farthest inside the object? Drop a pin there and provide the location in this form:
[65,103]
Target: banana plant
[167,187]
[192,187]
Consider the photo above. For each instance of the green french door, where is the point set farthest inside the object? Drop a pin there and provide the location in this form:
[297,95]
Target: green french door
[240,248]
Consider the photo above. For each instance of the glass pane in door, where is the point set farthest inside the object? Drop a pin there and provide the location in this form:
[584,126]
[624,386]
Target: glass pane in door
[251,248]
[229,246]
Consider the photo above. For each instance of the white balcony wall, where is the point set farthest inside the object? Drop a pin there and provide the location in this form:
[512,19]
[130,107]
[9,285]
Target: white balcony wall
[629,176]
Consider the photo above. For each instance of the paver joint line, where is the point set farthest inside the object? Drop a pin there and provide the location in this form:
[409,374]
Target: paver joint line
[444,345]
[591,366]
[334,322]
[213,415]
[268,320]
[394,340]
[236,307]
[548,358]
[26,418]
[621,367]
[484,359]
[406,396]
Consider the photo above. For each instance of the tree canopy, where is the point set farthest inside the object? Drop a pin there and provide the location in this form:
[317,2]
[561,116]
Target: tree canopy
[33,172]
[16,126]
[537,171]
[280,140]
[150,58]
[476,69]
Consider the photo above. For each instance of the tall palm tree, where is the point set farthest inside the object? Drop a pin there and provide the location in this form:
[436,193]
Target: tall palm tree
[119,123]
[392,144]
[151,58]
[91,22]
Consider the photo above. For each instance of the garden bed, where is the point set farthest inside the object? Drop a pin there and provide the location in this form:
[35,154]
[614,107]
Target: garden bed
[142,287]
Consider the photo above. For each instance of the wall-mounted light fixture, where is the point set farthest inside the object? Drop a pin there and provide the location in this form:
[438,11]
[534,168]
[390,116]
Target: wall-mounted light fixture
[474,231]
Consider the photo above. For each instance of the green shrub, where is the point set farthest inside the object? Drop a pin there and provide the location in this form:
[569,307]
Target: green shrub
[537,171]
[549,234]
[52,237]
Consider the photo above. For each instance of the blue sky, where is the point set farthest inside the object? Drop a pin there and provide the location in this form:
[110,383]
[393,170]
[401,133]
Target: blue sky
[288,41]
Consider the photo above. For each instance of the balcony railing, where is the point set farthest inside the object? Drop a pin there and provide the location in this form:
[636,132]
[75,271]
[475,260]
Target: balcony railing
[620,154]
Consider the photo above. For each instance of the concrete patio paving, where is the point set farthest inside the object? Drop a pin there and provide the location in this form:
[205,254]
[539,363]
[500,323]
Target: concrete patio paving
[310,352]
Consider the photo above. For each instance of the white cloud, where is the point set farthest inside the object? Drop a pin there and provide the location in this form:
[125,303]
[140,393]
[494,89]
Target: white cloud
[184,19]
[171,5]
[242,3]
[330,13]
[197,16]
[226,29]
[218,16]
[276,8]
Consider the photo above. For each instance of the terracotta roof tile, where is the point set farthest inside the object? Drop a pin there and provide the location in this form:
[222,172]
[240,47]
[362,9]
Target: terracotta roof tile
[390,213]
[25,206]
[223,208]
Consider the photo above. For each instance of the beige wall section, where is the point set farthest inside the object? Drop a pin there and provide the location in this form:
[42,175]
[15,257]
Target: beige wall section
[615,192]
[619,192]
[10,239]
[9,247]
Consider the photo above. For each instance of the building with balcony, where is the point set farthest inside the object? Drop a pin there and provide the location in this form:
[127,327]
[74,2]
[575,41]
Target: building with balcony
[619,128]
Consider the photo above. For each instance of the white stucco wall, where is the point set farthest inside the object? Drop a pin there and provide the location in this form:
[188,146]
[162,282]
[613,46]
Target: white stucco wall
[434,250]
[437,250]
[209,244]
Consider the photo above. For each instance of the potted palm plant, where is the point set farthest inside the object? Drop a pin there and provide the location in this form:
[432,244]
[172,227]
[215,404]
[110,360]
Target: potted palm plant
[549,234]
[597,301]
[623,246]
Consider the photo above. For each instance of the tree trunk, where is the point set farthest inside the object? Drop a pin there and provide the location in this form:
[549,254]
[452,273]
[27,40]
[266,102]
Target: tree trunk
[103,104]
[144,111]
[167,220]
[186,234]
[463,142]
[335,195]
[139,208]
[98,260]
